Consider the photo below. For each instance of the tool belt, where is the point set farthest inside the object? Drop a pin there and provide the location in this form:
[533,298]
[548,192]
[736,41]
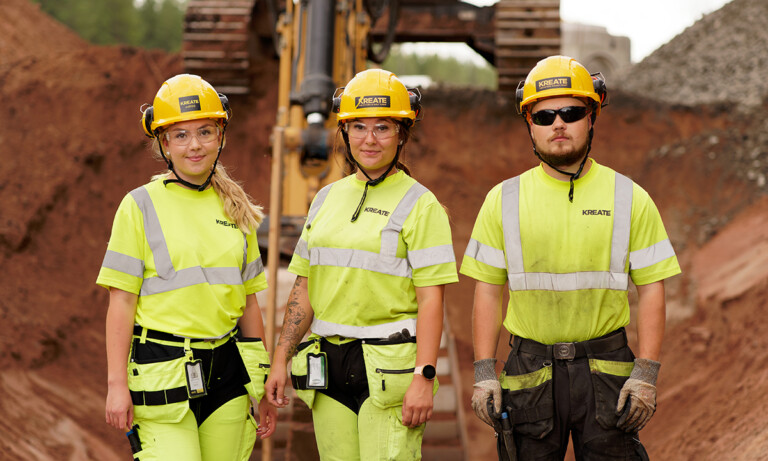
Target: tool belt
[570,351]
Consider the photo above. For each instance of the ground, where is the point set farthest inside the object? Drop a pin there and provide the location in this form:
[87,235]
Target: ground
[72,147]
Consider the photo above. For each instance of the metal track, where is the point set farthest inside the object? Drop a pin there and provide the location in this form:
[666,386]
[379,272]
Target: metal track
[526,32]
[216,43]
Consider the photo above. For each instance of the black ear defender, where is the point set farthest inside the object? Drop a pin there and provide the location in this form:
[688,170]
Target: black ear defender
[147,117]
[225,105]
[519,96]
[414,98]
[598,82]
[336,103]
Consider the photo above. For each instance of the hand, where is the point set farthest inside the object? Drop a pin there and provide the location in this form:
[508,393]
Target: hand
[417,403]
[119,407]
[639,396]
[275,385]
[641,405]
[489,389]
[267,419]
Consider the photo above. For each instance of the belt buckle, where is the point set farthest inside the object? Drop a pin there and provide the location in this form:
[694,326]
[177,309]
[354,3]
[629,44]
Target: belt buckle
[564,351]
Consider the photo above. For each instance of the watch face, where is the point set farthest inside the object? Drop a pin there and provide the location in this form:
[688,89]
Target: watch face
[429,372]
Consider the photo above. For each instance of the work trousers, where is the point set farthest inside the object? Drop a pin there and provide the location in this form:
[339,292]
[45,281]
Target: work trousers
[576,397]
[218,426]
[352,426]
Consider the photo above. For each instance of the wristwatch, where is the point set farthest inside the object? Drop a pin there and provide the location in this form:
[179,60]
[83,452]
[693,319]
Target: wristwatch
[427,371]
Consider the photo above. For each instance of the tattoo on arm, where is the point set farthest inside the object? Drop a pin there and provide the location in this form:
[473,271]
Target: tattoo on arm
[295,316]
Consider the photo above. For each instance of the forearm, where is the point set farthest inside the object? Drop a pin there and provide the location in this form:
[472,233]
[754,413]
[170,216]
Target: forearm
[429,324]
[251,324]
[486,319]
[296,323]
[121,316]
[651,319]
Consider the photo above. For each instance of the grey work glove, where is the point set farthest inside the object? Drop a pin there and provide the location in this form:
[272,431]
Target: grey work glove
[487,387]
[639,394]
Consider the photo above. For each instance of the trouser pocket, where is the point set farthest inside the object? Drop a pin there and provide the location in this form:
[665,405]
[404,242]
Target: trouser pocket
[608,377]
[389,369]
[157,381]
[527,388]
[299,370]
[256,361]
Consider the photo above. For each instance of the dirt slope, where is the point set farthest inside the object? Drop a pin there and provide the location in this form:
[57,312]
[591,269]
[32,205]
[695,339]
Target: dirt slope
[72,147]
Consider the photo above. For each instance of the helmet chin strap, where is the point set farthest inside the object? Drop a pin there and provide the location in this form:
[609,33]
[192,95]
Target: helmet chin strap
[370,182]
[179,179]
[573,176]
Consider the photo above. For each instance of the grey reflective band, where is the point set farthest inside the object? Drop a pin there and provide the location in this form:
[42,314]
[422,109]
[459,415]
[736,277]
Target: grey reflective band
[154,233]
[616,278]
[431,256]
[359,259]
[123,263]
[651,255]
[323,328]
[168,278]
[486,254]
[386,261]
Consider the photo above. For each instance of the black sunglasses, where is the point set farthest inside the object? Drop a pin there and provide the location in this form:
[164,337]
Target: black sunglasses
[568,114]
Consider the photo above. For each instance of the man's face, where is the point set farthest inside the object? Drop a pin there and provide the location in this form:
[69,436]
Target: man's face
[561,144]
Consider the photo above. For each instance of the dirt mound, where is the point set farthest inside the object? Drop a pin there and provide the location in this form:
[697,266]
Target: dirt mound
[720,58]
[25,30]
[73,148]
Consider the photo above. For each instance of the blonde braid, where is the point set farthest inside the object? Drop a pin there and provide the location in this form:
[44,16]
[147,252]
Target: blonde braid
[237,203]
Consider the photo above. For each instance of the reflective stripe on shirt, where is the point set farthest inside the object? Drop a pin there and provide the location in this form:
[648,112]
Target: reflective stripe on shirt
[386,261]
[168,277]
[323,328]
[616,278]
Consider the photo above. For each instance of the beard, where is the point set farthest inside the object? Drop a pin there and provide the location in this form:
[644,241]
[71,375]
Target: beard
[566,159]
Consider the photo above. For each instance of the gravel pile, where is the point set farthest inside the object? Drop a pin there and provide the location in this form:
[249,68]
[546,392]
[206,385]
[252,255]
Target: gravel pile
[721,58]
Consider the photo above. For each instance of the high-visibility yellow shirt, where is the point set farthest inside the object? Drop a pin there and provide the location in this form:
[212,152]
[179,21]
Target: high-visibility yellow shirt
[364,273]
[189,263]
[566,288]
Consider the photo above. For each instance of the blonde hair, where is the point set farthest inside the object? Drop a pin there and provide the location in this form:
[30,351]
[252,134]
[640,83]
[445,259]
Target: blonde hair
[238,205]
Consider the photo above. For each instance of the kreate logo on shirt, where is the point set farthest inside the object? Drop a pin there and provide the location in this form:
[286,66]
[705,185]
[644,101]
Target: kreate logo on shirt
[595,212]
[226,223]
[373,210]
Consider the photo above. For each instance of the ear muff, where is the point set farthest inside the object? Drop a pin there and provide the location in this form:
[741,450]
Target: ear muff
[598,82]
[336,100]
[519,96]
[414,98]
[146,120]
[225,105]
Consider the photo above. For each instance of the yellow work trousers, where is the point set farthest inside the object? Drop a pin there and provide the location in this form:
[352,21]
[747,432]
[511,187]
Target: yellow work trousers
[228,434]
[374,434]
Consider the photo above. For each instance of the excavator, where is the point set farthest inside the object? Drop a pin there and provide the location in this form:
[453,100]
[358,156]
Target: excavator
[319,45]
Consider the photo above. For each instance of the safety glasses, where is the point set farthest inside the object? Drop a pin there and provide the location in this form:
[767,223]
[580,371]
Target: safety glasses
[568,114]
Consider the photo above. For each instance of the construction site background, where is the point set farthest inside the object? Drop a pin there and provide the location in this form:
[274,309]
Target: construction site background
[687,123]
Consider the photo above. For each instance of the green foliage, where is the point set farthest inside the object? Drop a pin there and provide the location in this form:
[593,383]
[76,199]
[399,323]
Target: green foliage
[147,23]
[450,71]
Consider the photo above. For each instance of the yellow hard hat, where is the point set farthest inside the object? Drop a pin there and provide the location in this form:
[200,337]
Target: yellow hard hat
[376,93]
[560,76]
[181,98]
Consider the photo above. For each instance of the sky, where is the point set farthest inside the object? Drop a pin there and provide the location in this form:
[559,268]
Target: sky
[648,23]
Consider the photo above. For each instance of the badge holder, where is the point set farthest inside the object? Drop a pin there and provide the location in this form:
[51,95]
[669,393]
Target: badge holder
[194,372]
[317,371]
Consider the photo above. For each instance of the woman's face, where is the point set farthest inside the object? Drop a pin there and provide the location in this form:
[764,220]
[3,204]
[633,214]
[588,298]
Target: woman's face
[192,147]
[373,142]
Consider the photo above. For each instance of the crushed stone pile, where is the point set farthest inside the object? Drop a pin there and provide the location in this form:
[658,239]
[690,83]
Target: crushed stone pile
[721,58]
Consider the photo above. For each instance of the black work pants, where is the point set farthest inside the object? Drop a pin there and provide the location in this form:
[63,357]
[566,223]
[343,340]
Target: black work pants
[577,401]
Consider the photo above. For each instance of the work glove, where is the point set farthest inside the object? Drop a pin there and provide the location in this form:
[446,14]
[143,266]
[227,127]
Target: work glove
[639,395]
[487,387]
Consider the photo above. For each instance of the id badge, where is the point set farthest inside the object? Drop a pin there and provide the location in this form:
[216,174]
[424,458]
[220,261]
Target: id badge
[317,371]
[195,381]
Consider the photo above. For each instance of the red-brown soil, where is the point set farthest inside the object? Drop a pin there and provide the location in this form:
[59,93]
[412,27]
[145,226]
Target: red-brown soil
[72,147]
